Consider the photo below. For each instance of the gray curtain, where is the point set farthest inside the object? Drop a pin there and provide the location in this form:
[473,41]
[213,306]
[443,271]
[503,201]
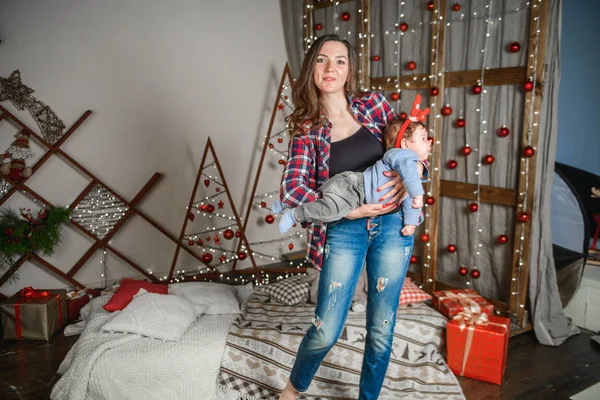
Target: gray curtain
[474,234]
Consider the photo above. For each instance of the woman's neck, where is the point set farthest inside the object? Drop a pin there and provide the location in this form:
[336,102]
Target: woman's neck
[335,104]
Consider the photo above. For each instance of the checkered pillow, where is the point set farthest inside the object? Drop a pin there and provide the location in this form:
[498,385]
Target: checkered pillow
[289,291]
[411,294]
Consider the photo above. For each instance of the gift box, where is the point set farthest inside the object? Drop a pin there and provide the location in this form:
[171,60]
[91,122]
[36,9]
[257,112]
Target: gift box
[77,299]
[451,302]
[477,346]
[33,314]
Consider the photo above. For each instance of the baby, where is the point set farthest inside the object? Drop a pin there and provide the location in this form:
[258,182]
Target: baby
[407,151]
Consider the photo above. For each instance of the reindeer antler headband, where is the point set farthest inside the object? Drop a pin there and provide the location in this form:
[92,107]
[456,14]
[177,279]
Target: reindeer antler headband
[416,115]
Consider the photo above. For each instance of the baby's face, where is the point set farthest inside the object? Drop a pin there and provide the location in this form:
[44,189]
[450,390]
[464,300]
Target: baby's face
[419,143]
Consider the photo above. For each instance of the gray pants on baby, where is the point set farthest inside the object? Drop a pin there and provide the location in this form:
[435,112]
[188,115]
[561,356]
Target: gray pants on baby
[340,195]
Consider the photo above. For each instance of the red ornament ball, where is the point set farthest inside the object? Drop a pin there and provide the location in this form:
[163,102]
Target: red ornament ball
[451,248]
[446,110]
[207,257]
[281,162]
[502,239]
[477,88]
[217,190]
[523,216]
[475,274]
[290,246]
[411,65]
[269,219]
[456,7]
[489,159]
[460,122]
[403,115]
[528,151]
[430,200]
[514,47]
[263,204]
[238,234]
[376,58]
[528,86]
[503,131]
[403,27]
[466,151]
[452,164]
[424,238]
[271,145]
[463,271]
[280,140]
[431,140]
[319,27]
[473,207]
[210,208]
[191,242]
[395,96]
[345,16]
[228,234]
[434,91]
[414,259]
[242,255]
[430,5]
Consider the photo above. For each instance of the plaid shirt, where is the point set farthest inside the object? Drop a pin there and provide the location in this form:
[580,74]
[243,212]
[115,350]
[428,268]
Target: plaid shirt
[307,166]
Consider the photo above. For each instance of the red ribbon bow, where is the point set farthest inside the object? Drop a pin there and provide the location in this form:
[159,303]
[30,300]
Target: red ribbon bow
[30,292]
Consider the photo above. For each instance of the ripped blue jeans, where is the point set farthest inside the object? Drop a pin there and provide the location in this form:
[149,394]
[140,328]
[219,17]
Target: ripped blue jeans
[350,243]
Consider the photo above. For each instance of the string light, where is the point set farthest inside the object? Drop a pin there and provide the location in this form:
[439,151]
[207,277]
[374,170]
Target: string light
[99,211]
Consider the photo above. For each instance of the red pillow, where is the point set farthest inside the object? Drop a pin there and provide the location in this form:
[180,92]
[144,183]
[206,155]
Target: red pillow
[411,293]
[128,289]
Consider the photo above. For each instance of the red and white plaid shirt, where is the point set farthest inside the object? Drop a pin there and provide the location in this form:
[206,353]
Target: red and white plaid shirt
[307,166]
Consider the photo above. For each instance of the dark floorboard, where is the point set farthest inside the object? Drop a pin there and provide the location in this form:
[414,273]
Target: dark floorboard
[533,372]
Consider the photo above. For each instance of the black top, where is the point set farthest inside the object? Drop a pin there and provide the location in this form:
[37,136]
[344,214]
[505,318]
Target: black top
[355,153]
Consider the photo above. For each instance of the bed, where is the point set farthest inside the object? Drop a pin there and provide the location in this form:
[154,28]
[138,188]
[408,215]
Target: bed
[248,356]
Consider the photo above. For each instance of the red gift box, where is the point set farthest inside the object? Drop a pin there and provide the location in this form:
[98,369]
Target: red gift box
[477,346]
[76,301]
[451,302]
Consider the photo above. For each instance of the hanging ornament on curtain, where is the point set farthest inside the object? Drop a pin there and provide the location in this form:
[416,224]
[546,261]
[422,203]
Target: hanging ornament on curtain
[411,65]
[269,219]
[456,7]
[446,110]
[463,271]
[502,239]
[345,16]
[460,123]
[523,216]
[376,57]
[207,257]
[430,6]
[452,164]
[228,234]
[488,159]
[473,207]
[466,151]
[430,200]
[528,151]
[424,238]
[414,259]
[528,86]
[319,27]
[503,131]
[395,96]
[477,88]
[434,91]
[451,248]
[475,273]
[403,27]
[514,47]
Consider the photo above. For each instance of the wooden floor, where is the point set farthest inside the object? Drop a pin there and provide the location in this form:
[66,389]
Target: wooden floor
[533,372]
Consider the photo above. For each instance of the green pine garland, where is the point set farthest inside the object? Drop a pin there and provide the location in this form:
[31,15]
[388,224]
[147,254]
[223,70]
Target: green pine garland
[23,233]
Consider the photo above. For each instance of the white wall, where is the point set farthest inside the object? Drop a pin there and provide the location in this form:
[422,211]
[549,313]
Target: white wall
[160,77]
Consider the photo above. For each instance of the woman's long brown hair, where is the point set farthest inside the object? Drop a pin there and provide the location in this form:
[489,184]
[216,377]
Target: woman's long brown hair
[307,107]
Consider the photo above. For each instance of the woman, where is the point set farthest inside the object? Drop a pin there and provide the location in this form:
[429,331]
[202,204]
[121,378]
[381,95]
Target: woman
[336,128]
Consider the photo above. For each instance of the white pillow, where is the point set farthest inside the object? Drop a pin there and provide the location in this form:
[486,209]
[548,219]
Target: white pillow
[220,298]
[243,292]
[159,316]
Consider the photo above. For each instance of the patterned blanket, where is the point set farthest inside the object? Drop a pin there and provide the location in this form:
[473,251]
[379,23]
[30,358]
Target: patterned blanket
[262,343]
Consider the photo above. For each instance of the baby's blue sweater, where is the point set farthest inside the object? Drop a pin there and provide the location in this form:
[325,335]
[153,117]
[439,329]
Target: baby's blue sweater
[404,162]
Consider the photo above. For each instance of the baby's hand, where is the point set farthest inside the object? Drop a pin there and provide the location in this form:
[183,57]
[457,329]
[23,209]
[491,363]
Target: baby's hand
[408,230]
[417,201]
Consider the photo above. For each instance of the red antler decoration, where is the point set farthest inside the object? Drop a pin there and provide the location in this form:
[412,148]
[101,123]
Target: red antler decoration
[416,115]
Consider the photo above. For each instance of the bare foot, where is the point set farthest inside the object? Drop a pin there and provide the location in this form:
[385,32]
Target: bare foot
[289,393]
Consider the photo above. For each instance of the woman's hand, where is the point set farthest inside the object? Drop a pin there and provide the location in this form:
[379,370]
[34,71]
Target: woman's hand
[397,192]
[370,210]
